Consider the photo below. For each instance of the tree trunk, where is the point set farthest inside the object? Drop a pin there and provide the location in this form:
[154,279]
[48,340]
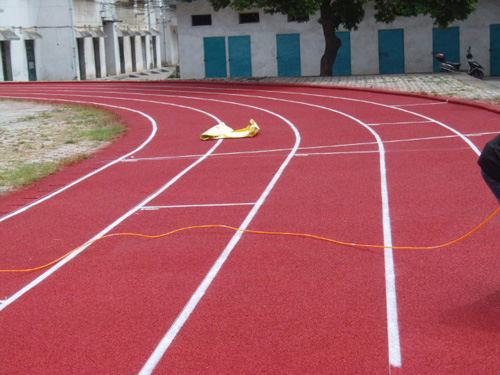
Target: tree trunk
[332,42]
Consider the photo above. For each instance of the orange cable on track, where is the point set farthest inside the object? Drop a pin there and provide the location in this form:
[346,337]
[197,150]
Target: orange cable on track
[265,233]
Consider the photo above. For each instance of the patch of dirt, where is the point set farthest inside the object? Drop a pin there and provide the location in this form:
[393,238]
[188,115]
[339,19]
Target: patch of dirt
[38,133]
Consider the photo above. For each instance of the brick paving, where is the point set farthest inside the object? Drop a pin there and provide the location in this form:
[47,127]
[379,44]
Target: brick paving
[458,85]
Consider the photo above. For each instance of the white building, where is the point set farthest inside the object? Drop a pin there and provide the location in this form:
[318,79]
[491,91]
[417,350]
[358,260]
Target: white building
[50,40]
[228,43]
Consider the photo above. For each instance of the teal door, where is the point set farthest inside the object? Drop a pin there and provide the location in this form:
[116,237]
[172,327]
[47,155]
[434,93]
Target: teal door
[446,42]
[495,50]
[342,65]
[288,54]
[215,57]
[391,51]
[240,56]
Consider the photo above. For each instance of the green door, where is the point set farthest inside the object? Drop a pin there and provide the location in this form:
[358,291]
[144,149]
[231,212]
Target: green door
[215,57]
[342,65]
[495,50]
[446,42]
[391,51]
[240,56]
[288,55]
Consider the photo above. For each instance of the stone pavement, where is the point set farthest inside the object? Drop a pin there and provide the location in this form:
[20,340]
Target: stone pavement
[458,85]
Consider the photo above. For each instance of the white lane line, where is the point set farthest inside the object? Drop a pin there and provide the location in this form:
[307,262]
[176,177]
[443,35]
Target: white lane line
[186,312]
[235,153]
[154,208]
[401,123]
[58,265]
[338,153]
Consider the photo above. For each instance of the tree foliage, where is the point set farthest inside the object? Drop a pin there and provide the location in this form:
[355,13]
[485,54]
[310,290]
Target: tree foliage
[350,13]
[443,12]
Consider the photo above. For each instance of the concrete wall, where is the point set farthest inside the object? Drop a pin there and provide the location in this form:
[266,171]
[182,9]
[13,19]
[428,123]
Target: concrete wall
[418,32]
[53,23]
[167,25]
[56,50]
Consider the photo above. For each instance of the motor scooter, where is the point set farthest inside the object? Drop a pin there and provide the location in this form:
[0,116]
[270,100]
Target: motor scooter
[447,66]
[475,69]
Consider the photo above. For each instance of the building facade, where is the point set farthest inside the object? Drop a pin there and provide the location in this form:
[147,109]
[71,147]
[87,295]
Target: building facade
[59,40]
[228,43]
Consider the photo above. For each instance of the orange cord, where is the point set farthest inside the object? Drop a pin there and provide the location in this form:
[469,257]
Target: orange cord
[267,233]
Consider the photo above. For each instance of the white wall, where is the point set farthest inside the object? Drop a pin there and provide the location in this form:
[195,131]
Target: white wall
[56,52]
[364,41]
[167,24]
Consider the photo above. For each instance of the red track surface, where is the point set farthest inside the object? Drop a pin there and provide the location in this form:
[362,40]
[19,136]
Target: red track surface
[209,301]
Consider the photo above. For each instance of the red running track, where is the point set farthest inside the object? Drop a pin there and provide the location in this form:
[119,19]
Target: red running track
[358,166]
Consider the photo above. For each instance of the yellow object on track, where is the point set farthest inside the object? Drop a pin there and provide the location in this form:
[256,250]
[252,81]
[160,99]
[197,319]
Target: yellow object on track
[222,131]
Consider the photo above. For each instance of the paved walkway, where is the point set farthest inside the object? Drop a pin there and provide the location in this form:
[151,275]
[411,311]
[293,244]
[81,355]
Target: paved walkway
[459,85]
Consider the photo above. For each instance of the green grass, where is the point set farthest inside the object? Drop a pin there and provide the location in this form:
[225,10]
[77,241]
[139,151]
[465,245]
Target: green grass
[26,174]
[93,124]
[105,134]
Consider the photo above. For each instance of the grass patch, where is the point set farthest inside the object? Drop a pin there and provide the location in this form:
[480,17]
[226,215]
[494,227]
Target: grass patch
[92,124]
[105,134]
[22,175]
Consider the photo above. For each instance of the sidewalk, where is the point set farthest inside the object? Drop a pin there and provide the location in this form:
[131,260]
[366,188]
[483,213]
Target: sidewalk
[459,85]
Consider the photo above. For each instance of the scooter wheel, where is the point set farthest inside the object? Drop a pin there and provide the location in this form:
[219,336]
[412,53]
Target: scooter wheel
[478,74]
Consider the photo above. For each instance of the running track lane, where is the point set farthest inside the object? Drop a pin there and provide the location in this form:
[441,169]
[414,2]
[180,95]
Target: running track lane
[276,299]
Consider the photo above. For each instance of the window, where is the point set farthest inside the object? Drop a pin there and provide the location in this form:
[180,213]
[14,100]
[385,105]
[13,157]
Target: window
[294,19]
[249,17]
[201,20]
